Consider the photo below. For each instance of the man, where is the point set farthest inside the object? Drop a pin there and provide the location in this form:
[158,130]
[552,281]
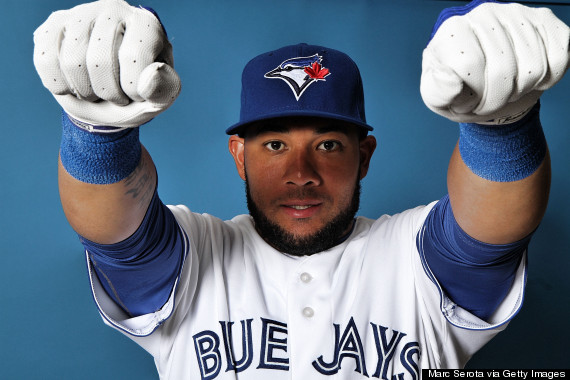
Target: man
[301,288]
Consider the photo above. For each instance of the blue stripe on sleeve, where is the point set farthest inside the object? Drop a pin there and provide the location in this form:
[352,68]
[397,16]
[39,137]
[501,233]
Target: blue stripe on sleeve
[139,273]
[456,11]
[475,275]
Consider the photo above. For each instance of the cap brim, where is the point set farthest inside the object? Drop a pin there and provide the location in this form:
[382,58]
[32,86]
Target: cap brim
[238,128]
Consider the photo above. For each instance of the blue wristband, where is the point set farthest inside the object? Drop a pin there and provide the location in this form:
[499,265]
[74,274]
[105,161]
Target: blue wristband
[504,153]
[96,157]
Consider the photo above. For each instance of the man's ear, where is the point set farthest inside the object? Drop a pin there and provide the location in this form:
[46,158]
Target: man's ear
[367,147]
[236,146]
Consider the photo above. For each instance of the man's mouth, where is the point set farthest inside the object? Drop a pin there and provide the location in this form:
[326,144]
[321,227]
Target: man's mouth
[301,209]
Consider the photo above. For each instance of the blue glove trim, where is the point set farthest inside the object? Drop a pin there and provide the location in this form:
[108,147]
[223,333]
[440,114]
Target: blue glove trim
[456,11]
[504,153]
[475,275]
[99,158]
[139,273]
[151,10]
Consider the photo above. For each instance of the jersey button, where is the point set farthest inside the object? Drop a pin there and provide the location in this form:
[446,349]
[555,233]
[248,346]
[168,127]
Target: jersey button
[308,312]
[306,278]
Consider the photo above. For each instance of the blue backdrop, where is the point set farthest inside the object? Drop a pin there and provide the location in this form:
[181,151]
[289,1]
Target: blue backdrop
[49,326]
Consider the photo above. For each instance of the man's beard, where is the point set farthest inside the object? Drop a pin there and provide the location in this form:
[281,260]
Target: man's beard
[327,237]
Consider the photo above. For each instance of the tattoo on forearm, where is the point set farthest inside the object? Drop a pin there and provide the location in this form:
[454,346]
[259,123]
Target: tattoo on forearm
[140,184]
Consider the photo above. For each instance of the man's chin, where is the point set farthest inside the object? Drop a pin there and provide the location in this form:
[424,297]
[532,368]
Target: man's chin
[304,243]
[303,239]
[301,232]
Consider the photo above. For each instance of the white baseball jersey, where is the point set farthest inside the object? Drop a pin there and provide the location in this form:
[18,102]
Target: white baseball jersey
[368,307]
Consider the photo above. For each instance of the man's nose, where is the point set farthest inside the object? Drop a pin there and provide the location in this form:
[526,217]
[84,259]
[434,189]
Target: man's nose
[302,169]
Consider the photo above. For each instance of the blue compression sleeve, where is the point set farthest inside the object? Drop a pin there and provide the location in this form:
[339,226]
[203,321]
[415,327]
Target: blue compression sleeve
[475,275]
[139,273]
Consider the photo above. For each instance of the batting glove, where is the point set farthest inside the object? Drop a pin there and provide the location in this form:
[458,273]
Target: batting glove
[489,63]
[107,64]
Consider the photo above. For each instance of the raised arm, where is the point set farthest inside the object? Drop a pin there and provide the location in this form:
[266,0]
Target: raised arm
[485,67]
[109,65]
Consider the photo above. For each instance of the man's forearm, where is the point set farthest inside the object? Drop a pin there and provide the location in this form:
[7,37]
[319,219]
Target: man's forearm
[108,213]
[497,212]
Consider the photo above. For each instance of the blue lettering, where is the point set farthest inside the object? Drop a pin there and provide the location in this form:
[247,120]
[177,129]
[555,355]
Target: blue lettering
[349,346]
[207,345]
[407,359]
[332,367]
[273,338]
[246,342]
[385,349]
[274,355]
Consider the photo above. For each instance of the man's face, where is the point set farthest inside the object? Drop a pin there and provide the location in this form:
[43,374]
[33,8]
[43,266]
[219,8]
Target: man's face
[302,178]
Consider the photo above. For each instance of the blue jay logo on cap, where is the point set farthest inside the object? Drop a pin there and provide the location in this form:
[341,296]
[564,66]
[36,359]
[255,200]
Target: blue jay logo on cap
[300,72]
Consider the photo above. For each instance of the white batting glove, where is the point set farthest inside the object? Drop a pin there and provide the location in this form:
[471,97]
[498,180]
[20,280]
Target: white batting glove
[491,65]
[107,63]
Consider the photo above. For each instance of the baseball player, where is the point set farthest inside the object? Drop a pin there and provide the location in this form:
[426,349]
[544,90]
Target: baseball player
[301,288]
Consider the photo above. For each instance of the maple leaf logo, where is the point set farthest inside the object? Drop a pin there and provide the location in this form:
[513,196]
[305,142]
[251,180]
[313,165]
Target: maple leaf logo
[316,71]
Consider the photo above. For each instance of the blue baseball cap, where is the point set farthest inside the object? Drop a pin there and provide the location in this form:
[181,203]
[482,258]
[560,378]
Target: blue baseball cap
[301,80]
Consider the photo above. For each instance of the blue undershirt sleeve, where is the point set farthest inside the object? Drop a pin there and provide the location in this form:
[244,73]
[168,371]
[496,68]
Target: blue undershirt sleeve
[475,275]
[139,273]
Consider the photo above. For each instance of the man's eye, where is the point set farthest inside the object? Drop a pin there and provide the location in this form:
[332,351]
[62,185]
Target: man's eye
[329,145]
[275,146]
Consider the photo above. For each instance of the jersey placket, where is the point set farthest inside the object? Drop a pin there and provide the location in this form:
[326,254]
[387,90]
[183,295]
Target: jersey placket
[310,311]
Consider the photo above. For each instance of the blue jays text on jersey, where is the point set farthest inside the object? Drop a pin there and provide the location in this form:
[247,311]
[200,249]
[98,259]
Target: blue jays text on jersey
[271,351]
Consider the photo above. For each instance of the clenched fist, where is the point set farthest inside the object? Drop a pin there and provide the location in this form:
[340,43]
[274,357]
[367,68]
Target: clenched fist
[107,63]
[490,62]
